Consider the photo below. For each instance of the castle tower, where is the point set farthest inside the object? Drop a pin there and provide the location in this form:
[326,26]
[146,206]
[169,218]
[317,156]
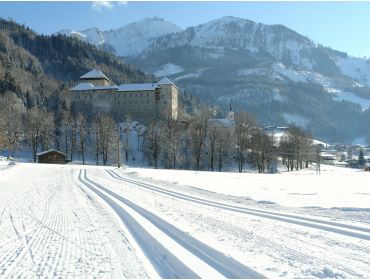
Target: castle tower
[95,77]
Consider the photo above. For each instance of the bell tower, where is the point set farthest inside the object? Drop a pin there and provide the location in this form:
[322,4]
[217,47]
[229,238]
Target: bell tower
[230,114]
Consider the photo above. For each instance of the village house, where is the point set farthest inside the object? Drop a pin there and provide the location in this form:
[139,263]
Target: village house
[52,156]
[157,100]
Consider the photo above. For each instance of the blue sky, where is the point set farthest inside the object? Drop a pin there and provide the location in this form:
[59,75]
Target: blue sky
[341,25]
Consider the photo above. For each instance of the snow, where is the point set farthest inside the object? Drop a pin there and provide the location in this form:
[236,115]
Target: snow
[252,71]
[356,68]
[294,189]
[130,39]
[195,75]
[168,69]
[295,119]
[137,87]
[301,75]
[48,151]
[73,221]
[89,86]
[165,81]
[94,74]
[351,97]
[83,86]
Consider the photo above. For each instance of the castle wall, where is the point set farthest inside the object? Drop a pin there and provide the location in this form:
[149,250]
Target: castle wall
[142,105]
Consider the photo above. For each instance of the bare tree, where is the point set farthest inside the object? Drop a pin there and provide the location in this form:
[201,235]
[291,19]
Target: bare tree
[83,130]
[47,130]
[223,144]
[34,120]
[66,120]
[153,142]
[244,125]
[127,135]
[107,131]
[73,133]
[198,131]
[296,148]
[262,150]
[96,131]
[211,139]
[11,125]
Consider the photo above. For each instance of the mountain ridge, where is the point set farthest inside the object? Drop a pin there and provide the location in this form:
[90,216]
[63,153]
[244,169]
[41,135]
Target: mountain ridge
[127,40]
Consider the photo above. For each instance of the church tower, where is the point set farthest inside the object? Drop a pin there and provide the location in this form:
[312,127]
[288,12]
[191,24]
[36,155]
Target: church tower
[230,114]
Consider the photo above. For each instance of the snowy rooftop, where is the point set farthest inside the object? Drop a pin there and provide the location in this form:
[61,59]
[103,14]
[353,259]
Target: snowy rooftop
[221,123]
[89,86]
[94,74]
[122,87]
[137,87]
[166,81]
[49,151]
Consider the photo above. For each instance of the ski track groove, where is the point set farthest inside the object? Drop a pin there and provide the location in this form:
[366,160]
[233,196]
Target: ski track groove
[305,255]
[293,219]
[227,266]
[166,264]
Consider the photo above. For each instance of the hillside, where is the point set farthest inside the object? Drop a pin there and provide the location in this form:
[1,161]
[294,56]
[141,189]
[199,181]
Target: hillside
[35,67]
[270,70]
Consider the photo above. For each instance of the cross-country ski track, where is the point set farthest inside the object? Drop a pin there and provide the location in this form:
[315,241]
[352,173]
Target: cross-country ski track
[358,232]
[102,222]
[167,265]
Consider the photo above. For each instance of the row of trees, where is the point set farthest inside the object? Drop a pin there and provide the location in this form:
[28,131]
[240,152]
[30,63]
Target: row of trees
[202,144]
[198,144]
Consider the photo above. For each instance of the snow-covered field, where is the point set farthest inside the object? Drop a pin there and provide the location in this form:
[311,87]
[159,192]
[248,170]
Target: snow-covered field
[76,221]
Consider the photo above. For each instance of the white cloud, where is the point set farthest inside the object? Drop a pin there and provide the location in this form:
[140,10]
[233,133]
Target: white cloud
[122,3]
[100,5]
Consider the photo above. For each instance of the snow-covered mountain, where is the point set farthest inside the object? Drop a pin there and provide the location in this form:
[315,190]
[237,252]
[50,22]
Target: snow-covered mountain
[258,67]
[255,66]
[128,40]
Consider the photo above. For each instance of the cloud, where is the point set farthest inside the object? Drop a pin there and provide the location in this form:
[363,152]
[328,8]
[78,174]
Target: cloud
[109,5]
[122,3]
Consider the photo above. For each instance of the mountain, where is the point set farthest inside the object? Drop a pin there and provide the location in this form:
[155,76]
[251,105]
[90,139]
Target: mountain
[270,70]
[128,40]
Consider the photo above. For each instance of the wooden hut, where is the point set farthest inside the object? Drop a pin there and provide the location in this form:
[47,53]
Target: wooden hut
[52,156]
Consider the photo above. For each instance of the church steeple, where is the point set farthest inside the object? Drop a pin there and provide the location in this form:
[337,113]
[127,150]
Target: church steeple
[230,114]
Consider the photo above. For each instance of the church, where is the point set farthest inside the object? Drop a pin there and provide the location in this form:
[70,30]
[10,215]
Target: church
[143,102]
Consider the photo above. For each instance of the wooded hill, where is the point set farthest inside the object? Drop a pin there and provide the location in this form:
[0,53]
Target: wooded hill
[36,67]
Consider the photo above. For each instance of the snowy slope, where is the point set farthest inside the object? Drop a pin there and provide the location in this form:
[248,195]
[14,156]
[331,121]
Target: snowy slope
[357,68]
[100,222]
[127,40]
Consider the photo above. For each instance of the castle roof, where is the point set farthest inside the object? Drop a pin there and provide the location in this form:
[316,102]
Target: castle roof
[94,74]
[165,81]
[89,86]
[137,87]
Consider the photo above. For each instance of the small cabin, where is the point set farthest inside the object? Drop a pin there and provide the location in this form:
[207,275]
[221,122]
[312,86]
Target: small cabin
[52,156]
